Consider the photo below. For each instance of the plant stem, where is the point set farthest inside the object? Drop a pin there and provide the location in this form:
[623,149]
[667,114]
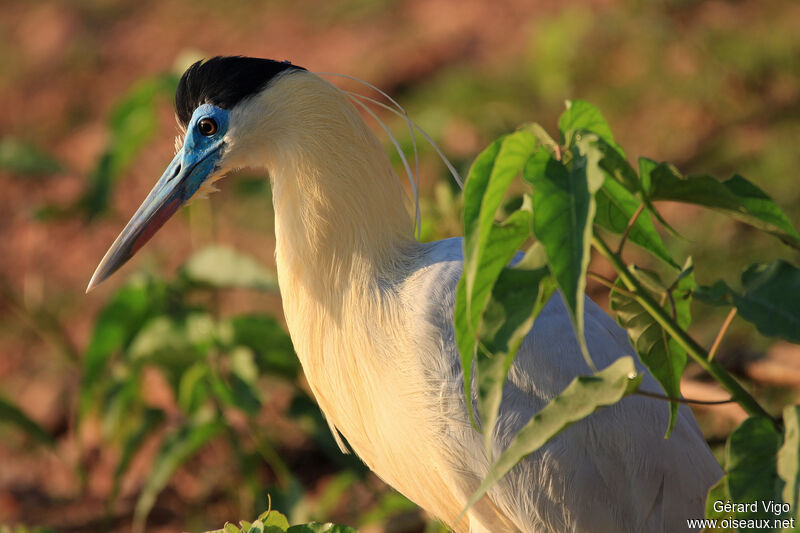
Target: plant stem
[695,351]
[602,280]
[688,401]
[271,456]
[714,347]
[631,222]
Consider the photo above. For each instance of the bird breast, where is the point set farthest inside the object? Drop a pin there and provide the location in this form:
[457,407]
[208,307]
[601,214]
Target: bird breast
[376,367]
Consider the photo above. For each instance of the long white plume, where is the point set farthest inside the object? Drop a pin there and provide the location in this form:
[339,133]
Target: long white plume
[397,109]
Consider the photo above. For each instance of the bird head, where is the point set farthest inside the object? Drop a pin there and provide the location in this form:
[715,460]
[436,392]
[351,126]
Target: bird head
[210,101]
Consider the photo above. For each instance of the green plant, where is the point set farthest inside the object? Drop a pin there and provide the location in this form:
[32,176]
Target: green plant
[210,364]
[216,368]
[11,414]
[582,191]
[274,522]
[26,160]
[131,124]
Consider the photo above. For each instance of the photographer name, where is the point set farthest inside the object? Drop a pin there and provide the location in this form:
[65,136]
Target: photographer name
[776,508]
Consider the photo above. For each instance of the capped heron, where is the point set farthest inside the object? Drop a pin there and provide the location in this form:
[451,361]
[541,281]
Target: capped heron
[370,313]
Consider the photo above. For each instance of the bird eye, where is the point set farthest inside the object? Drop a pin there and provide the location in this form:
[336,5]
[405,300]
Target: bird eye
[207,126]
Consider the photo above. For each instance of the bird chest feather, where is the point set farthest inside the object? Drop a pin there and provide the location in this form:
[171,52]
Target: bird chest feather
[366,374]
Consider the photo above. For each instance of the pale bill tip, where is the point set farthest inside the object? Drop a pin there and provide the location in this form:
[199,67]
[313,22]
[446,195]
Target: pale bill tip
[102,272]
[94,282]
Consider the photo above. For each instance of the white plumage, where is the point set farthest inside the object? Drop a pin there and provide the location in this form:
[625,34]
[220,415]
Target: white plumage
[370,312]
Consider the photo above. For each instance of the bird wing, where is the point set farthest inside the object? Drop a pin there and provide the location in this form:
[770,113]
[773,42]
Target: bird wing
[612,471]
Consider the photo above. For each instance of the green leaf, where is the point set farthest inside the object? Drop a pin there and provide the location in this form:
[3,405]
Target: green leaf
[11,414]
[271,344]
[581,115]
[223,267]
[681,303]
[174,344]
[649,278]
[646,167]
[788,465]
[518,295]
[665,359]
[615,208]
[563,212]
[736,197]
[177,448]
[583,396]
[121,399]
[467,342]
[752,465]
[133,122]
[274,519]
[505,240]
[761,211]
[682,290]
[717,493]
[768,300]
[316,527]
[718,294]
[150,420]
[256,527]
[25,159]
[616,166]
[488,180]
[231,528]
[488,247]
[115,328]
[541,135]
[192,389]
[243,376]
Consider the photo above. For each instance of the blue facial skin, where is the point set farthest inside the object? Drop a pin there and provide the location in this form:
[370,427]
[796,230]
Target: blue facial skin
[200,153]
[190,167]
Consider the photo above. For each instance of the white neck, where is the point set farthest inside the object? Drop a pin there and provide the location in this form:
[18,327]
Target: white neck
[341,214]
[344,247]
[344,233]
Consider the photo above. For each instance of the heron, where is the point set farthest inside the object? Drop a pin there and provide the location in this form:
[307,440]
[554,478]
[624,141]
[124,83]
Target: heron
[369,310]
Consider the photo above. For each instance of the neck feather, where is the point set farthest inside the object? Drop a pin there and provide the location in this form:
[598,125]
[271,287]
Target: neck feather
[342,216]
[344,245]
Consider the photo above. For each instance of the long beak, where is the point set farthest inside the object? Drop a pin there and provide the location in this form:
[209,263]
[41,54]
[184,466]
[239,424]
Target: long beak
[179,181]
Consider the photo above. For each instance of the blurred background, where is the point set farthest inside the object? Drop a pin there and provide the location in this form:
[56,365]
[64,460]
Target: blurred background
[171,393]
